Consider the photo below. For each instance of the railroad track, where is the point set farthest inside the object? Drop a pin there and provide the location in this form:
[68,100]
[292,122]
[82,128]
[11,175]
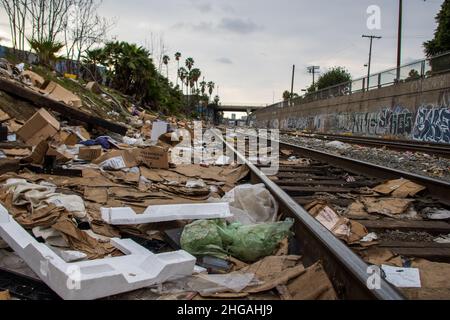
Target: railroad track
[339,182]
[438,149]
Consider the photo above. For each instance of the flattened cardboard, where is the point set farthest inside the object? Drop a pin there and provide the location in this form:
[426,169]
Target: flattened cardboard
[41,126]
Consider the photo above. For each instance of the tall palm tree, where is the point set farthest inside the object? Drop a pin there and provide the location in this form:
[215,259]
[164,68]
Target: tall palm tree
[166,60]
[195,75]
[182,74]
[203,86]
[211,85]
[177,58]
[189,63]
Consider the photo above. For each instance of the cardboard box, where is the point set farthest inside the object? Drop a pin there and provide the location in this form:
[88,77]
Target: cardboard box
[153,157]
[40,127]
[59,93]
[90,153]
[117,159]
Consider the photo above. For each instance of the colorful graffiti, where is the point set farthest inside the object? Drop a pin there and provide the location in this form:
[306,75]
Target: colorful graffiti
[433,122]
[432,125]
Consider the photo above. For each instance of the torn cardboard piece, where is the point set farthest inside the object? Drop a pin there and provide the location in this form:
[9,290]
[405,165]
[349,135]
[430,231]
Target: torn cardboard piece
[343,228]
[163,213]
[400,188]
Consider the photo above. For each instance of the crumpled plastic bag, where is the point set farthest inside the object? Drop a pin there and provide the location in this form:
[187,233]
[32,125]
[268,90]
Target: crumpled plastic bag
[251,204]
[247,243]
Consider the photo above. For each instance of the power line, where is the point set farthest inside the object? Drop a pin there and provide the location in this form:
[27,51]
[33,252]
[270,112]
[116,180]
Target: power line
[370,57]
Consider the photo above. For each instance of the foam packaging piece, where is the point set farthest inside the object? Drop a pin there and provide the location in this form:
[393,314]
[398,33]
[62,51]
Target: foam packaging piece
[87,280]
[163,213]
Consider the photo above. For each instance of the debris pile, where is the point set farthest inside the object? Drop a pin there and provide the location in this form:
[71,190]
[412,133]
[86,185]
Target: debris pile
[107,206]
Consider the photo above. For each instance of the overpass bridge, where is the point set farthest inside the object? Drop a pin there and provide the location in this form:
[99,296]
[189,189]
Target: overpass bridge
[240,107]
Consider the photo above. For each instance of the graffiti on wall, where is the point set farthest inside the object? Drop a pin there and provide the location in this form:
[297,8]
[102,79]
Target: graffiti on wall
[430,123]
[433,122]
[388,121]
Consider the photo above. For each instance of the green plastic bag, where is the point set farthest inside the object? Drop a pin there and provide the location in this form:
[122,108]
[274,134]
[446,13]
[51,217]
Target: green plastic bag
[246,243]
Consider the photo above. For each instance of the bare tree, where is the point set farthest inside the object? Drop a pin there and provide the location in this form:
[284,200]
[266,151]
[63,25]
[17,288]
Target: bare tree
[17,10]
[48,18]
[85,28]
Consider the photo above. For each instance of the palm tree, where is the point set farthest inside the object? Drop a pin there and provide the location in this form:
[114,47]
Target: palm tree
[177,58]
[189,63]
[182,74]
[92,58]
[211,85]
[195,75]
[166,60]
[203,86]
[46,50]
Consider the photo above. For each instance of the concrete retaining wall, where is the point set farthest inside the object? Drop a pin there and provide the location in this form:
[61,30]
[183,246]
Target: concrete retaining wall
[417,110]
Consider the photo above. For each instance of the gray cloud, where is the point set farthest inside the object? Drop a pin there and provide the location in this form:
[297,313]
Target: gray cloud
[239,25]
[204,7]
[228,8]
[224,60]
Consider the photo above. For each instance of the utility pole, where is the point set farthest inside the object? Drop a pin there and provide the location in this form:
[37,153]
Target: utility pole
[313,70]
[399,40]
[370,58]
[292,82]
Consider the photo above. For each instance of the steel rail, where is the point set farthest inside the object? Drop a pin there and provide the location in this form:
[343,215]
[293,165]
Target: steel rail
[416,146]
[348,272]
[437,188]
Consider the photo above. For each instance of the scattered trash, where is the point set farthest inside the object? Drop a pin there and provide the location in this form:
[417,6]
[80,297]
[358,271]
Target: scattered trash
[338,145]
[402,277]
[436,214]
[443,239]
[401,188]
[246,243]
[370,237]
[252,204]
[343,228]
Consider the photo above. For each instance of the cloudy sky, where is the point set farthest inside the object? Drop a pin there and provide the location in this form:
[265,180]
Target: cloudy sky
[248,47]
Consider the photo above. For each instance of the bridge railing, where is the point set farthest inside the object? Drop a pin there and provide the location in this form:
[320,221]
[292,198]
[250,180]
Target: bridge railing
[420,69]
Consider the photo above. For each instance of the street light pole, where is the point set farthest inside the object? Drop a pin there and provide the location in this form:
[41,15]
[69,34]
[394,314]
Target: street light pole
[399,40]
[370,58]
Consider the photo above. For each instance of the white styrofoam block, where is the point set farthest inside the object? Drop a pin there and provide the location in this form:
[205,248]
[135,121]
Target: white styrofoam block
[163,213]
[72,256]
[87,280]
